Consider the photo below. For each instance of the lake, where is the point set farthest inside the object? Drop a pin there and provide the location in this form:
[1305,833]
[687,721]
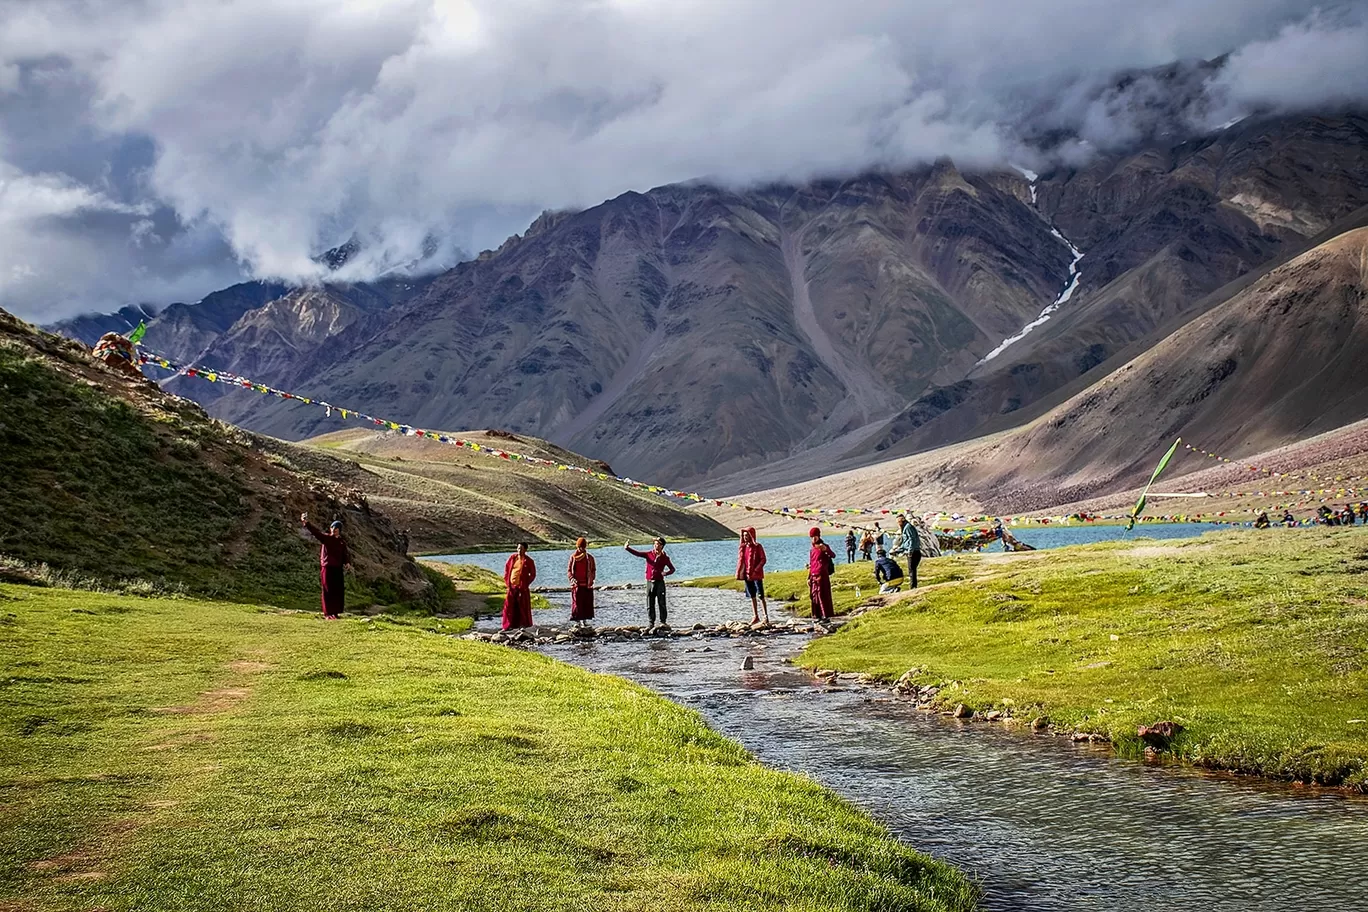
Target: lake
[790,552]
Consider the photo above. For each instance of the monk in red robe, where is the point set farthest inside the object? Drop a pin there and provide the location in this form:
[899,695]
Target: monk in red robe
[821,564]
[333,558]
[519,573]
[582,572]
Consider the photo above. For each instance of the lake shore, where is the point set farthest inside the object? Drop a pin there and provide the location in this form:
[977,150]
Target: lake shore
[1235,651]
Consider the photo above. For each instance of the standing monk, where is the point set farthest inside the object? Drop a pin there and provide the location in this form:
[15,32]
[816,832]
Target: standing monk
[658,566]
[333,558]
[750,567]
[519,573]
[821,564]
[909,541]
[581,572]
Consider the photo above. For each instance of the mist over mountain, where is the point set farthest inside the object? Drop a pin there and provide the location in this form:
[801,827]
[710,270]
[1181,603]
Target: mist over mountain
[158,151]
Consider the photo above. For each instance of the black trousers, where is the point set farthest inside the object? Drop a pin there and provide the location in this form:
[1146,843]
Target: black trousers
[913,559]
[655,590]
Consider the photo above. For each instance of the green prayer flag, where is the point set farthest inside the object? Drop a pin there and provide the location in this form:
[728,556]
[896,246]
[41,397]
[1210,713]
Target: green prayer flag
[136,336]
[1140,504]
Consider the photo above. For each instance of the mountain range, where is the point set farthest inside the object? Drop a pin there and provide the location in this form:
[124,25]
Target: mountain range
[743,338]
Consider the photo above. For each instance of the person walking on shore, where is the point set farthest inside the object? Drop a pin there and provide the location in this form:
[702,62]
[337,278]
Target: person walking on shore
[334,557]
[867,545]
[519,572]
[658,566]
[750,568]
[909,542]
[850,546]
[582,572]
[821,564]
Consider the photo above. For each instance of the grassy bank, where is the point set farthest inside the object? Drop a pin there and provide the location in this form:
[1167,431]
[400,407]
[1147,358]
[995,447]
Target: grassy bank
[1256,643]
[473,591]
[180,754]
[852,585]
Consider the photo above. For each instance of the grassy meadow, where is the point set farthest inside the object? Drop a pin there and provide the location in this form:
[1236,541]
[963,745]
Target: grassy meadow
[178,754]
[1256,643]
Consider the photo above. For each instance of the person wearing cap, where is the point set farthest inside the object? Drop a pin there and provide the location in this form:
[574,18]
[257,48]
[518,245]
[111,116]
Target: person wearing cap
[821,564]
[750,568]
[333,559]
[582,572]
[519,572]
[658,566]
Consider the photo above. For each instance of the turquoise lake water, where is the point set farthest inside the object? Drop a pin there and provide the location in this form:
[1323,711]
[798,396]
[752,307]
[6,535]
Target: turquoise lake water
[716,558]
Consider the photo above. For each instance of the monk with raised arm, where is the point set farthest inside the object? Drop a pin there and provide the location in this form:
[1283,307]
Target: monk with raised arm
[334,557]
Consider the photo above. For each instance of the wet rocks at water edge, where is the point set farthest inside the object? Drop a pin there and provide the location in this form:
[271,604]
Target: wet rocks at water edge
[748,663]
[541,636]
[1159,735]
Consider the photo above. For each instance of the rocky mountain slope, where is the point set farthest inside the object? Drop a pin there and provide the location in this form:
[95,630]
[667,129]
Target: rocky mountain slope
[1281,360]
[741,338]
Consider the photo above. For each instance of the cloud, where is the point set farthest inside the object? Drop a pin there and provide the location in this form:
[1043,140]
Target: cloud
[1317,62]
[261,132]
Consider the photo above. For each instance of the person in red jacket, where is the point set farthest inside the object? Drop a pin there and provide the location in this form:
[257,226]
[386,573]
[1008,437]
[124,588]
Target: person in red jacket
[333,558]
[658,566]
[519,572]
[821,564]
[750,567]
[582,573]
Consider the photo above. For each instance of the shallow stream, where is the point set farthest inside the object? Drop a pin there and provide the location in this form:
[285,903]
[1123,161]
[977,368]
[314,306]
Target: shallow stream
[1041,823]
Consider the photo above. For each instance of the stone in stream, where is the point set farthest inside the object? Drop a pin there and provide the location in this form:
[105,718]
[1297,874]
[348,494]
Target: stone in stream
[748,663]
[992,715]
[963,712]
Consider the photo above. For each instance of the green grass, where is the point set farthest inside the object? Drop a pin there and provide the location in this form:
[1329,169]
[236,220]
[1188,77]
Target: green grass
[124,488]
[474,590]
[851,585]
[173,754]
[1257,643]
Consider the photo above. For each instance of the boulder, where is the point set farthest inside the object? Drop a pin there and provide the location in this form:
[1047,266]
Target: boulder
[748,663]
[962,712]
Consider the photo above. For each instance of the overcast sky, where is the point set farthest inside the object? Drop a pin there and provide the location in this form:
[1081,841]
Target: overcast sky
[155,150]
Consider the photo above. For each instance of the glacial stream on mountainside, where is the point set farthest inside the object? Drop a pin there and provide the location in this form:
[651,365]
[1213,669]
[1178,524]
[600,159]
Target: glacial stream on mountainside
[1041,823]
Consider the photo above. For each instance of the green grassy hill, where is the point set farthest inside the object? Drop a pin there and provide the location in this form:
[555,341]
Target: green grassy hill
[452,499]
[107,479]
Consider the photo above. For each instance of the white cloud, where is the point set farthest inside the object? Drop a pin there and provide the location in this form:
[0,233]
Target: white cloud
[285,126]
